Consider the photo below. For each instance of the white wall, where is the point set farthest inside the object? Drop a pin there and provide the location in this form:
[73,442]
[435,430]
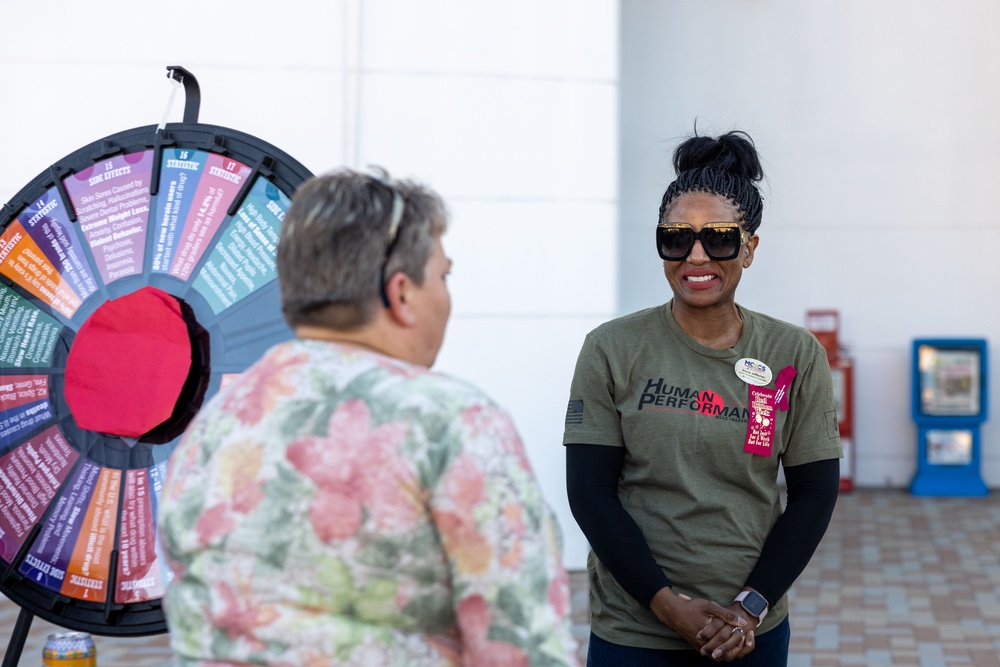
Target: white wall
[508,109]
[876,121]
[878,125]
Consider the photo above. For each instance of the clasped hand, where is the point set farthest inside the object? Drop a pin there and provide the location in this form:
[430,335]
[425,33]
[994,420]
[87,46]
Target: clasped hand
[721,633]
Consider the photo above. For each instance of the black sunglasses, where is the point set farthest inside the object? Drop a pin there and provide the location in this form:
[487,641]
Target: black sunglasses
[721,240]
[395,221]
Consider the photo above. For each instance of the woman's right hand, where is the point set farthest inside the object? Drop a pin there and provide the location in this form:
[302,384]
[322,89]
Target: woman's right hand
[691,616]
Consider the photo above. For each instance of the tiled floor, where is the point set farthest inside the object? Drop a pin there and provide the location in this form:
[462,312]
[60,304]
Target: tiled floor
[898,580]
[902,581]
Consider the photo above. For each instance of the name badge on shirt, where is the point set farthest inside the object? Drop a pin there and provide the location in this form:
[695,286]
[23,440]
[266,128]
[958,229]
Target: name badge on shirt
[753,371]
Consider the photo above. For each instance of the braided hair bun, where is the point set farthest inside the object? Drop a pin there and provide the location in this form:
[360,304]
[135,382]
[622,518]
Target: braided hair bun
[727,166]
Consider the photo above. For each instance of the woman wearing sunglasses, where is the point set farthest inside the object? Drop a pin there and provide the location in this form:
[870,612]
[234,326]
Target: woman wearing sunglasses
[679,418]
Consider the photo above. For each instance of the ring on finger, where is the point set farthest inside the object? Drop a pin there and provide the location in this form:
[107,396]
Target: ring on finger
[737,628]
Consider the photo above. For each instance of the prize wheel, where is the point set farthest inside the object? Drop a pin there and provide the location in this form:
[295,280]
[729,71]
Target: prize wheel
[137,275]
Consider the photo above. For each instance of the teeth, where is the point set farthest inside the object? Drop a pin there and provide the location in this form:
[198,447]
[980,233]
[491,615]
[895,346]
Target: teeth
[699,279]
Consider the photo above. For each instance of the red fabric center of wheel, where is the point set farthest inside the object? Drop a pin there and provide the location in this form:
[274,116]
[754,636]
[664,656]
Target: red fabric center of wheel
[128,364]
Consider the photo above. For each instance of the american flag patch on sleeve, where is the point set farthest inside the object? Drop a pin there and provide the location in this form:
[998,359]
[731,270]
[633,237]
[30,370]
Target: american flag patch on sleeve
[574,413]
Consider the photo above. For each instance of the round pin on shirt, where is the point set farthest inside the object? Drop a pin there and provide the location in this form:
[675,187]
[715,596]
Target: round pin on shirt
[753,372]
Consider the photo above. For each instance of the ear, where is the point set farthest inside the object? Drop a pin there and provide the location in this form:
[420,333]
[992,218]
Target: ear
[398,289]
[748,251]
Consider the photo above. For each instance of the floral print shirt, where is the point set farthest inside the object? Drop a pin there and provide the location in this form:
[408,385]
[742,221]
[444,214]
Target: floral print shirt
[337,507]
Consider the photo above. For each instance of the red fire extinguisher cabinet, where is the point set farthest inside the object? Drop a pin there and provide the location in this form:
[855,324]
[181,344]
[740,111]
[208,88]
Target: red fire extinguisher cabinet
[825,325]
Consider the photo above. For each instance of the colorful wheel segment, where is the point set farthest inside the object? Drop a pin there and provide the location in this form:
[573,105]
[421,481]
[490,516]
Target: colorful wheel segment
[137,276]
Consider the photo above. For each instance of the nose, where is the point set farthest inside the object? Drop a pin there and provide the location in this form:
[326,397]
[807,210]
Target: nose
[698,254]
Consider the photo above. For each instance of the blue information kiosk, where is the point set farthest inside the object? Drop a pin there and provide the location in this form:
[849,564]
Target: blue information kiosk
[950,403]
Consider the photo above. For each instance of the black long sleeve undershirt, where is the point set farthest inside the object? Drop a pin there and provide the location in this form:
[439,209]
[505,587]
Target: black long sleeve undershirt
[812,495]
[592,473]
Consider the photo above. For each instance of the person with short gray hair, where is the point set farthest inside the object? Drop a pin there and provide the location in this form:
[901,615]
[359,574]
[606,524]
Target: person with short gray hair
[341,504]
[350,231]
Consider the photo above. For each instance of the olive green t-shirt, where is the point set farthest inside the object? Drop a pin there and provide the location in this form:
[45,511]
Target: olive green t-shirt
[681,411]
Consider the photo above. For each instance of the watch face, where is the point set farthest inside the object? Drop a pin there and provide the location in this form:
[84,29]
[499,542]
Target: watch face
[754,603]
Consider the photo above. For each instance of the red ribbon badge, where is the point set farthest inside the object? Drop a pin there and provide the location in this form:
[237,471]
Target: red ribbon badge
[783,385]
[760,425]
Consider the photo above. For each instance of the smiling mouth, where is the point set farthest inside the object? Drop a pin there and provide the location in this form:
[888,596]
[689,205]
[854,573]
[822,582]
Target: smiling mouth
[699,279]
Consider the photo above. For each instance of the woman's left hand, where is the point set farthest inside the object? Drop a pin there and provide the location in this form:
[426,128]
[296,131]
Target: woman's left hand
[718,636]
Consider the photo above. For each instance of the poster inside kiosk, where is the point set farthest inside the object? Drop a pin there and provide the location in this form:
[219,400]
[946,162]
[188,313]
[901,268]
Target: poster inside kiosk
[950,402]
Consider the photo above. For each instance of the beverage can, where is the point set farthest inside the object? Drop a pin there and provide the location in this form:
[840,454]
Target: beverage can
[69,649]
